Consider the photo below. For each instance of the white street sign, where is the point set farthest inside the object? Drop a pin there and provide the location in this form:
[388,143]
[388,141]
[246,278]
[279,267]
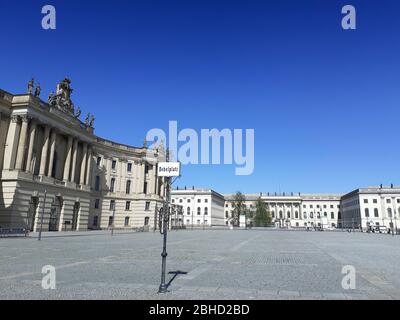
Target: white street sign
[169,169]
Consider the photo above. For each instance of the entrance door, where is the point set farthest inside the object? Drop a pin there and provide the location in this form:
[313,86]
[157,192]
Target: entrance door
[33,205]
[55,215]
[75,216]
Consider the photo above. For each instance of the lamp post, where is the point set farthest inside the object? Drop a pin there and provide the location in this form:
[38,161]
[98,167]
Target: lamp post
[41,218]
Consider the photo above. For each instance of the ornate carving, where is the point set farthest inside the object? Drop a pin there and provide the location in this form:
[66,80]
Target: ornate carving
[14,118]
[62,98]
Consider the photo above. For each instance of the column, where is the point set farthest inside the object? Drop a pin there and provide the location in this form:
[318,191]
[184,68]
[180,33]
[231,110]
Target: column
[21,144]
[136,175]
[83,164]
[142,176]
[43,158]
[32,134]
[68,159]
[74,156]
[10,151]
[52,150]
[89,165]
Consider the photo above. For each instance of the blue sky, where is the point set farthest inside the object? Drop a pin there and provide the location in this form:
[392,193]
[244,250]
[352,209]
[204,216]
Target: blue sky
[324,102]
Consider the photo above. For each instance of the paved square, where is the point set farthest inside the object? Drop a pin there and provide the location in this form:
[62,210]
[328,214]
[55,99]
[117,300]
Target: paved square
[221,264]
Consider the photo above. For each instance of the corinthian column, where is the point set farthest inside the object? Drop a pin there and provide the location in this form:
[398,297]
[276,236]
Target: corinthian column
[89,165]
[43,158]
[83,164]
[21,144]
[32,134]
[74,156]
[10,151]
[68,159]
[52,150]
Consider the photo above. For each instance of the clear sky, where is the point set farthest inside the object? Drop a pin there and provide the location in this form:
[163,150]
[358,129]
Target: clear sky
[324,102]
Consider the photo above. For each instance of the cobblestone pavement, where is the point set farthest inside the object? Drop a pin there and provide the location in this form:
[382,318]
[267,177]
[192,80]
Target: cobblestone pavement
[221,264]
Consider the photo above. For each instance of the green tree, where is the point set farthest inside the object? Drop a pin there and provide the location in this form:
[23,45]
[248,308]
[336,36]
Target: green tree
[262,216]
[239,207]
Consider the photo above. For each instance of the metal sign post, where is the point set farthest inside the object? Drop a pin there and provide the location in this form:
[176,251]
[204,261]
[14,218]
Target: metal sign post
[41,218]
[166,169]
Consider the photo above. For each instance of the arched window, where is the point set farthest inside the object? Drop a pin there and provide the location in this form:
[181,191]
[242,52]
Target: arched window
[288,214]
[332,215]
[205,211]
[273,214]
[280,214]
[296,214]
[188,211]
[376,213]
[311,215]
[366,212]
[198,211]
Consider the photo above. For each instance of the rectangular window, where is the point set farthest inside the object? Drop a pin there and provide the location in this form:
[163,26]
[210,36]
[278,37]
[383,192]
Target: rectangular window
[146,169]
[375,200]
[97,184]
[128,205]
[110,221]
[96,203]
[365,200]
[112,204]
[126,222]
[147,206]
[113,164]
[112,184]
[129,167]
[145,188]
[128,187]
[388,201]
[98,161]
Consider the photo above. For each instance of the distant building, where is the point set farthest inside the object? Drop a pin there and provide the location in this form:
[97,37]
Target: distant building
[201,207]
[372,206]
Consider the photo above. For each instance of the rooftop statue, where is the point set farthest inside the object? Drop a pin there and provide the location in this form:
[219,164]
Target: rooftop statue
[37,90]
[62,98]
[30,86]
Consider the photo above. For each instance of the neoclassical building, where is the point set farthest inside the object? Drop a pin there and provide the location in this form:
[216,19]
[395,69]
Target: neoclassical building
[89,182]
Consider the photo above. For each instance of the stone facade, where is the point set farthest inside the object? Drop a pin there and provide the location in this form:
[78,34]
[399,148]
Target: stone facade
[44,146]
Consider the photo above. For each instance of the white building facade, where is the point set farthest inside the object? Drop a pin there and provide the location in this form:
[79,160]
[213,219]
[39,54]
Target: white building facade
[200,207]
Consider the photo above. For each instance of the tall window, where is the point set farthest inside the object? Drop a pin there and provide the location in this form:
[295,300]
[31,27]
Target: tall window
[98,161]
[112,204]
[126,223]
[288,214]
[97,184]
[95,221]
[113,164]
[128,186]
[198,211]
[110,221]
[128,205]
[366,212]
[296,214]
[147,206]
[96,203]
[145,188]
[188,211]
[146,221]
[376,213]
[332,215]
[112,185]
[205,211]
[389,211]
[129,167]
